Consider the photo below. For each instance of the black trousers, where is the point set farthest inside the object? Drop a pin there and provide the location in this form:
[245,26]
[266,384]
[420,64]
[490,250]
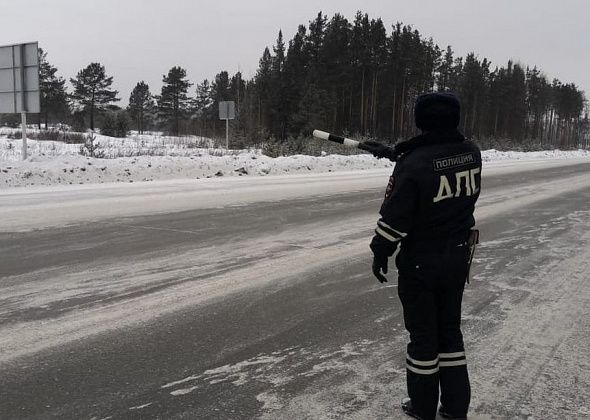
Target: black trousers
[431,283]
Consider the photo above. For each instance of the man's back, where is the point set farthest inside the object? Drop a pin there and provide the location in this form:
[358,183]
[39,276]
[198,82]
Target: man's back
[448,178]
[434,188]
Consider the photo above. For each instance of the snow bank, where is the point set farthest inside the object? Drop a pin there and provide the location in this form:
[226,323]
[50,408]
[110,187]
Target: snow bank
[156,157]
[493,155]
[54,163]
[110,147]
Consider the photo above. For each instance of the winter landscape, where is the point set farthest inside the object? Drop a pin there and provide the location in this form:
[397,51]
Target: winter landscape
[155,157]
[150,270]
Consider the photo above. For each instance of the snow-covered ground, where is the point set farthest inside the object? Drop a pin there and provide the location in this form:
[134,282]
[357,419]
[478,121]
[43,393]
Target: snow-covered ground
[157,157]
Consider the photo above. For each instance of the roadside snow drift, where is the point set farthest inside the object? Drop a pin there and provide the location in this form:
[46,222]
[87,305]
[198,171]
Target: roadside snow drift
[153,158]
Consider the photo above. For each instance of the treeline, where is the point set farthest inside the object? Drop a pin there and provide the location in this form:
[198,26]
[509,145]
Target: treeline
[356,78]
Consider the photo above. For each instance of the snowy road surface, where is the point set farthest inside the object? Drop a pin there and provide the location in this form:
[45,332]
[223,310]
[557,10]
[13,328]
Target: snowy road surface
[252,298]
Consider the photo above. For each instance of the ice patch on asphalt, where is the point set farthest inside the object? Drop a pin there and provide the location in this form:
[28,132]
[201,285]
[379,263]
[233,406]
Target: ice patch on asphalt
[270,401]
[275,370]
[139,407]
[238,373]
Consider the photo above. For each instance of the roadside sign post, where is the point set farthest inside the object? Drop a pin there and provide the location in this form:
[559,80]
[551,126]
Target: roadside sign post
[227,111]
[19,83]
[23,120]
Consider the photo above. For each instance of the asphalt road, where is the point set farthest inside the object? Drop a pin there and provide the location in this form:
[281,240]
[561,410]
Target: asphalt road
[268,310]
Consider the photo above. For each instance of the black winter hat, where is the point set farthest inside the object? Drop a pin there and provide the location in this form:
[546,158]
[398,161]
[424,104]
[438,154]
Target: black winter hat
[437,111]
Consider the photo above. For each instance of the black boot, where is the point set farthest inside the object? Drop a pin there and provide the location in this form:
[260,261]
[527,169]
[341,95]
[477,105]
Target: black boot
[408,409]
[445,415]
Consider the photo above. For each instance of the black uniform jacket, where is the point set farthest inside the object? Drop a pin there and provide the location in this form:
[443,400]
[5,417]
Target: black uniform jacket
[431,194]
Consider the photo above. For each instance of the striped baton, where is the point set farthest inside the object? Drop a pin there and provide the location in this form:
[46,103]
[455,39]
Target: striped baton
[336,139]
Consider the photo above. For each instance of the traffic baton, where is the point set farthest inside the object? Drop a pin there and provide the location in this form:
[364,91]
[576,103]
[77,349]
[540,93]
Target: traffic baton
[336,139]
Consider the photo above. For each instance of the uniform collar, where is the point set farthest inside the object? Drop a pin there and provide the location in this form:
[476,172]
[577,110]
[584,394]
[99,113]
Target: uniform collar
[426,139]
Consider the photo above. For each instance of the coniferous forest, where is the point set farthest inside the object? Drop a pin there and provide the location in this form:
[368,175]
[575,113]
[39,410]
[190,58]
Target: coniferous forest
[359,78]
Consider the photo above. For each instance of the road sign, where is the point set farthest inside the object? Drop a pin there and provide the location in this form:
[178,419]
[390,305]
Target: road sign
[19,79]
[19,83]
[227,110]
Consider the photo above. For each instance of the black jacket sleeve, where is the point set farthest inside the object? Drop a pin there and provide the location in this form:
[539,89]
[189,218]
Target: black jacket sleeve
[397,211]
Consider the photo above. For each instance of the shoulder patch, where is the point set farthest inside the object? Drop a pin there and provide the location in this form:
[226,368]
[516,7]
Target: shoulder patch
[451,162]
[390,186]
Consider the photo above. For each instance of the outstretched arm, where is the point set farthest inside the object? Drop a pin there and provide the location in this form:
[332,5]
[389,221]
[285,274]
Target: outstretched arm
[379,150]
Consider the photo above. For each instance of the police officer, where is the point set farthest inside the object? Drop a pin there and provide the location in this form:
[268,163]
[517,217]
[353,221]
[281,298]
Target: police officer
[428,213]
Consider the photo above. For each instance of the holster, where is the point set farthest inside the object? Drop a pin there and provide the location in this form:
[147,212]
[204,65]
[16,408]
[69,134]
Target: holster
[472,242]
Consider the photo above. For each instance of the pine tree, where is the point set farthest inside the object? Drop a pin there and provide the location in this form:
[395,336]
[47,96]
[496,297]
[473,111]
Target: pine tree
[115,124]
[472,90]
[220,92]
[311,80]
[92,90]
[109,124]
[173,103]
[54,98]
[202,108]
[293,76]
[378,52]
[336,55]
[237,88]
[277,105]
[517,105]
[312,110]
[444,70]
[569,103]
[203,99]
[313,47]
[220,88]
[537,101]
[263,85]
[141,103]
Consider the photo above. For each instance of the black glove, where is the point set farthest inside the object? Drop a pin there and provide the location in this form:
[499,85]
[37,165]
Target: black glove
[380,264]
[377,149]
[382,250]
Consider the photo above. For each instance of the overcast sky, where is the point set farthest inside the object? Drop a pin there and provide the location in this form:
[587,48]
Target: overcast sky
[142,39]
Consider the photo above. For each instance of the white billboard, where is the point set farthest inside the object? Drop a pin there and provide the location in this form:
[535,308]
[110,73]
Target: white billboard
[19,78]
